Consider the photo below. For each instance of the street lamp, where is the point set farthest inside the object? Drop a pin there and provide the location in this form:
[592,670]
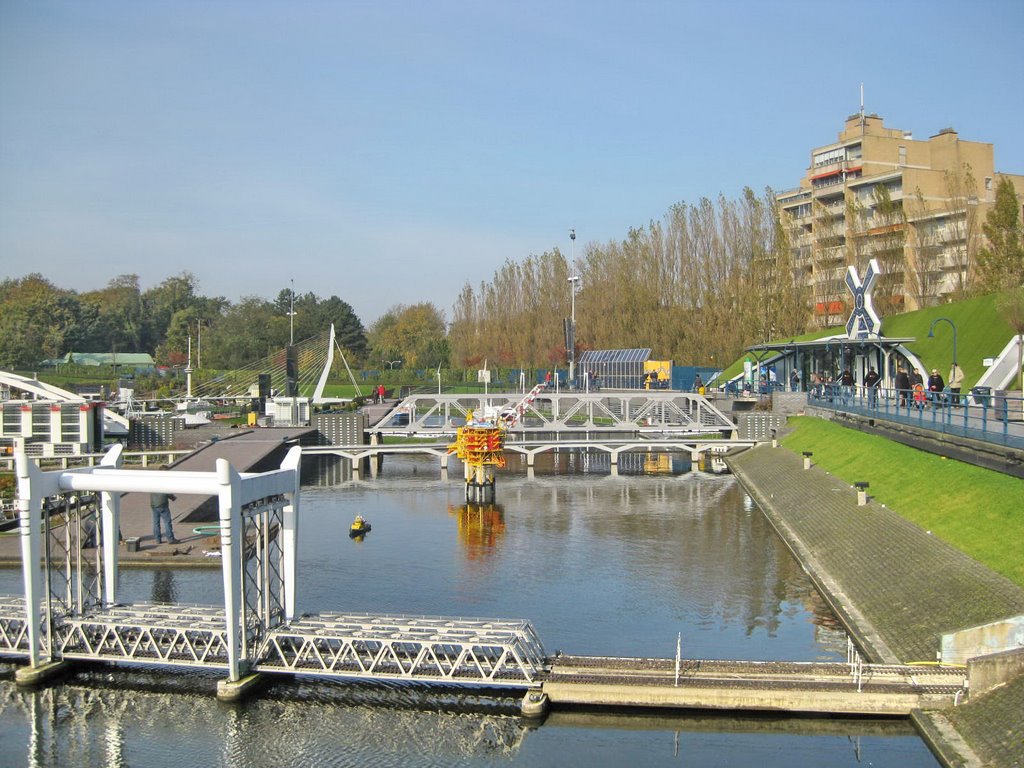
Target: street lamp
[392,363]
[291,315]
[571,341]
[931,332]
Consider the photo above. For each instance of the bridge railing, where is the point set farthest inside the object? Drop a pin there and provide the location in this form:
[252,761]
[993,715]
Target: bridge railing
[979,416]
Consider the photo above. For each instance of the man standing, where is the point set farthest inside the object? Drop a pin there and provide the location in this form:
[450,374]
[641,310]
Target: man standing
[902,385]
[158,503]
[935,387]
[956,380]
[871,384]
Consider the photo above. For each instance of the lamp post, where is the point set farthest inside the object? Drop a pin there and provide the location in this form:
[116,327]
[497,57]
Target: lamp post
[931,332]
[392,363]
[571,341]
[291,315]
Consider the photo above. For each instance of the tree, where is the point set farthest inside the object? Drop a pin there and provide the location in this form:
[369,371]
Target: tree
[413,334]
[162,302]
[37,321]
[118,317]
[1001,261]
[249,331]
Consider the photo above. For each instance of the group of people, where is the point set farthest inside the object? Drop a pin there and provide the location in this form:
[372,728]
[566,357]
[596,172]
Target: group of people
[912,389]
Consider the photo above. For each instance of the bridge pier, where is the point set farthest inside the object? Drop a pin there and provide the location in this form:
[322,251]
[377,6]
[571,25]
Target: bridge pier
[535,704]
[480,492]
[236,690]
[36,675]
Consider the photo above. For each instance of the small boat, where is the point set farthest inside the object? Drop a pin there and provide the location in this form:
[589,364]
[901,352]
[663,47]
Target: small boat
[360,527]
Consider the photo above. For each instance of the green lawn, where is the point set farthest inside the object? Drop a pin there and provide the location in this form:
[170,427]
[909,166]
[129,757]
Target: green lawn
[979,511]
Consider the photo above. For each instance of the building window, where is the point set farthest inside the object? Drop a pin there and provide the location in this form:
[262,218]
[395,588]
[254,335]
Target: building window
[903,155]
[988,183]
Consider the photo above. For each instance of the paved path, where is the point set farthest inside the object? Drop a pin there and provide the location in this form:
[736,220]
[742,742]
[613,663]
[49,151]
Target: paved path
[896,587]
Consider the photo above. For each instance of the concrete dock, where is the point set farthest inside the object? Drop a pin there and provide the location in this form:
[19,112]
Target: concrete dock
[896,588]
[764,686]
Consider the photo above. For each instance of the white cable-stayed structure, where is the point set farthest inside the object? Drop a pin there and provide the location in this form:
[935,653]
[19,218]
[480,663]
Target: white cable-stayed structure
[309,363]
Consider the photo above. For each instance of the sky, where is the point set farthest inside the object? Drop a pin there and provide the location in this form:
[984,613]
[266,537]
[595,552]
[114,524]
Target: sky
[390,152]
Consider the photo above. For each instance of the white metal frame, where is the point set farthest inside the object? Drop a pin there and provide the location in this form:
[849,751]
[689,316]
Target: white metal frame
[234,491]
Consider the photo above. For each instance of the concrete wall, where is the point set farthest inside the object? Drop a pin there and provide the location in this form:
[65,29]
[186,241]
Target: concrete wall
[986,672]
[789,403]
[957,647]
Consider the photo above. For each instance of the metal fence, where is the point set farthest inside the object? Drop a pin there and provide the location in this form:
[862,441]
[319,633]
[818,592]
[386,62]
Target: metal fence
[994,417]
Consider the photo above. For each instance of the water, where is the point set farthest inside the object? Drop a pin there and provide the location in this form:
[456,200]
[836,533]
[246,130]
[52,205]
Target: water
[600,565]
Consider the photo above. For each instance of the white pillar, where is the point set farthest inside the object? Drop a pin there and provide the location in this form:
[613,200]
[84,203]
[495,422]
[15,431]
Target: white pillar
[30,514]
[231,561]
[110,526]
[290,534]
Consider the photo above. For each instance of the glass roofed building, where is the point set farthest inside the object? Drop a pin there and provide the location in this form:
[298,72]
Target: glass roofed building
[614,368]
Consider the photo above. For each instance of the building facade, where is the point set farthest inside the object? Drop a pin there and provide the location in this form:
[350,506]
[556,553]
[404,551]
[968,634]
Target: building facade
[917,206]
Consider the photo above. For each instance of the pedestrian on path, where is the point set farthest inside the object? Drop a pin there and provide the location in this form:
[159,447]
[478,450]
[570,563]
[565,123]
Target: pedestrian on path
[935,387]
[956,380]
[159,504]
[871,379]
[903,385]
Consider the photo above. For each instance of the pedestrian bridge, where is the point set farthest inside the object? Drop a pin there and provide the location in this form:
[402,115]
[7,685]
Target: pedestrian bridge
[559,412]
[70,609]
[694,447]
[351,646]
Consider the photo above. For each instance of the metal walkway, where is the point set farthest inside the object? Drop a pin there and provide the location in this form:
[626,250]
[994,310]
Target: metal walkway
[625,411]
[351,646]
[69,520]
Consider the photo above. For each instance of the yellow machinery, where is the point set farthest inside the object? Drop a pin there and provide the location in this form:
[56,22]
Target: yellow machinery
[480,446]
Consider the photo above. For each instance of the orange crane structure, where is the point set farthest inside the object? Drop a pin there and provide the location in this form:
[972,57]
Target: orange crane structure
[480,444]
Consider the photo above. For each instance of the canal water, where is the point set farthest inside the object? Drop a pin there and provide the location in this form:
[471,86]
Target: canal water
[624,565]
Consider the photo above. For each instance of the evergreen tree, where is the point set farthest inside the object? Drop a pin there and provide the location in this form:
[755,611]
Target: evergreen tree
[1001,261]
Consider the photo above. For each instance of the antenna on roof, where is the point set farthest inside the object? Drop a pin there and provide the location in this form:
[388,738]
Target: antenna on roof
[862,109]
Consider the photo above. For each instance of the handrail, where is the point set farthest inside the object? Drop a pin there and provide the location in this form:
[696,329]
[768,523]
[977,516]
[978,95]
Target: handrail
[980,413]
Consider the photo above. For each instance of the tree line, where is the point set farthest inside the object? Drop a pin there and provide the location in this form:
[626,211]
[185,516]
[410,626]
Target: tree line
[697,286]
[39,321]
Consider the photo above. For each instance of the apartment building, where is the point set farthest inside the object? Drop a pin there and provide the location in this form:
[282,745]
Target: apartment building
[917,206]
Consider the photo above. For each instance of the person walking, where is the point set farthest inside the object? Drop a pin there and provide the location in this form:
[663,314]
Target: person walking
[161,508]
[935,387]
[871,379]
[956,380]
[902,385]
[846,386]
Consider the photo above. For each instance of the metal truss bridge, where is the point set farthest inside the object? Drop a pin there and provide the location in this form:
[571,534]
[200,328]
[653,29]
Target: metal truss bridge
[70,610]
[351,646]
[681,413]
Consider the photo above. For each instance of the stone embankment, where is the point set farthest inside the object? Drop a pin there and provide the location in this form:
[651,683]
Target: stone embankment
[897,588]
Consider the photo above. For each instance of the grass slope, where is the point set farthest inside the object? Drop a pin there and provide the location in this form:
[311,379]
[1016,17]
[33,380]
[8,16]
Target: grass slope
[979,511]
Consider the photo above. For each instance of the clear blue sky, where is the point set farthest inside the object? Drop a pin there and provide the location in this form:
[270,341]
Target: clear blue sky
[387,152]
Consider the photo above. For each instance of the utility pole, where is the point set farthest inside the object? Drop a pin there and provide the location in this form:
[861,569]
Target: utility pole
[570,340]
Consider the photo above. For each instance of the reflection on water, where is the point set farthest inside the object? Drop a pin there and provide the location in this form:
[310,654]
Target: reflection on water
[599,564]
[143,718]
[163,587]
[481,527]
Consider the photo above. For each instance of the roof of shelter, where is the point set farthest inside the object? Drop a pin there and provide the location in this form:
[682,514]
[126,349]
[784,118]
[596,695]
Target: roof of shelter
[131,359]
[840,340]
[614,356]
